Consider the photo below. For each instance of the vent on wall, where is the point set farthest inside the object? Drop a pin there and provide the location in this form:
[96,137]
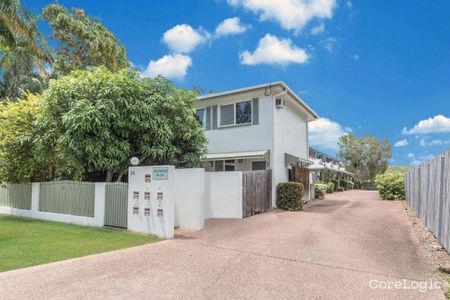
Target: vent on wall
[280,102]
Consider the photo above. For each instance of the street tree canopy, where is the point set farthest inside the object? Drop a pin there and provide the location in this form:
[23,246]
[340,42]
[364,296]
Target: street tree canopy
[82,41]
[100,119]
[366,157]
[17,131]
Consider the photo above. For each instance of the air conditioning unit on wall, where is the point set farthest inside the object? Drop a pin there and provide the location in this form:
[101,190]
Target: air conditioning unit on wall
[280,102]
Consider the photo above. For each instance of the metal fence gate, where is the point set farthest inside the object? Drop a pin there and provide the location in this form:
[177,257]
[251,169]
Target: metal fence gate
[256,192]
[116,198]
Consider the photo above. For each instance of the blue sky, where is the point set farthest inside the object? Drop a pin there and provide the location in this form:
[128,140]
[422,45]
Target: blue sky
[368,67]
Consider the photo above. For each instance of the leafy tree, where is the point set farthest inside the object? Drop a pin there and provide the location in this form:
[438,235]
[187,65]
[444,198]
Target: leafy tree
[83,41]
[365,157]
[100,119]
[23,50]
[17,131]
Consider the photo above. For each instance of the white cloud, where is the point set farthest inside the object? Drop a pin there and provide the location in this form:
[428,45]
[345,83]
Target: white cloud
[230,26]
[272,50]
[330,44]
[436,124]
[401,143]
[169,66]
[318,29]
[183,38]
[415,161]
[326,133]
[290,14]
[437,142]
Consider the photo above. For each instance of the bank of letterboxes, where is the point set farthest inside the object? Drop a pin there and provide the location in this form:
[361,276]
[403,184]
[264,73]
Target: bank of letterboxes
[147,198]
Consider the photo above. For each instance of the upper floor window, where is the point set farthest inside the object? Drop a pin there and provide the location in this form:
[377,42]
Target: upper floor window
[201,116]
[237,113]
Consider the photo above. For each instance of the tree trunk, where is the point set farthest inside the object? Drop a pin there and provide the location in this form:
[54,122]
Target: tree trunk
[109,176]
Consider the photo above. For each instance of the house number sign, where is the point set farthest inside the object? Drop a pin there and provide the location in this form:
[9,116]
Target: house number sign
[160,173]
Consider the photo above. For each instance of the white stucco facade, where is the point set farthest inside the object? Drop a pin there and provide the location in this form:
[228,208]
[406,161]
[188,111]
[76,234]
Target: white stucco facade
[277,130]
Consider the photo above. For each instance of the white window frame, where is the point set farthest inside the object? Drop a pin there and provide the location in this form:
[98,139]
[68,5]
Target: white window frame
[219,119]
[204,115]
[224,164]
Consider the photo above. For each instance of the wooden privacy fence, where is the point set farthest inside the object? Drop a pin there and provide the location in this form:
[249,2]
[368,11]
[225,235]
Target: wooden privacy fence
[68,197]
[300,174]
[427,189]
[16,195]
[256,192]
[116,208]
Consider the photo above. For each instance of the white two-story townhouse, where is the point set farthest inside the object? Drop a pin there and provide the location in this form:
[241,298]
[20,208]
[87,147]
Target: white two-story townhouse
[256,128]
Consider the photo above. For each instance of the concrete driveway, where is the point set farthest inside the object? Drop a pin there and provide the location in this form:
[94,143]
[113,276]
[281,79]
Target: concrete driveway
[334,249]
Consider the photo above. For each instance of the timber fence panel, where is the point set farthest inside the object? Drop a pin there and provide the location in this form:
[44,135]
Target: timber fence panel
[68,197]
[427,191]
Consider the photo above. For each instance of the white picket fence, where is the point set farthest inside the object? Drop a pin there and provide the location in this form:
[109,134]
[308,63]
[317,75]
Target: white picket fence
[427,189]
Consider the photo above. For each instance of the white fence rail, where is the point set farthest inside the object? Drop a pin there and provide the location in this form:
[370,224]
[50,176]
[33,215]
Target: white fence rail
[427,189]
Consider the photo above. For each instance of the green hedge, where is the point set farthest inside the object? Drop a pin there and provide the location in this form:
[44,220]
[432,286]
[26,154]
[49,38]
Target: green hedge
[390,186]
[336,184]
[320,190]
[330,187]
[340,189]
[346,184]
[290,195]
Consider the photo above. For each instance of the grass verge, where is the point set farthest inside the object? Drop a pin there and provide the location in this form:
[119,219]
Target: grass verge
[27,242]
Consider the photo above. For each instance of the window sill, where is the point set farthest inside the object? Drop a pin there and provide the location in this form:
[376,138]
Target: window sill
[233,125]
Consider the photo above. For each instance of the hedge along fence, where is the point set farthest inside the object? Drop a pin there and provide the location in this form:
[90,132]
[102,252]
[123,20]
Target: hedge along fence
[16,195]
[290,195]
[68,197]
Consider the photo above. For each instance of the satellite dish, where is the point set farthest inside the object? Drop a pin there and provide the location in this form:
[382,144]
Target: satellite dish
[134,161]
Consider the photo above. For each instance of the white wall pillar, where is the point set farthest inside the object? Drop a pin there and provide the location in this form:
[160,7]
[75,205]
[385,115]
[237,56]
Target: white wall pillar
[99,208]
[189,195]
[35,190]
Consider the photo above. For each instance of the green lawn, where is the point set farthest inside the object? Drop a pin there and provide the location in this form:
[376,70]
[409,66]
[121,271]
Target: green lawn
[398,169]
[26,242]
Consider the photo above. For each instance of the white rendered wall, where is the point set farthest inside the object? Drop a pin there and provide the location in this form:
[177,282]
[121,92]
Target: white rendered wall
[244,137]
[190,198]
[96,221]
[291,136]
[160,225]
[223,195]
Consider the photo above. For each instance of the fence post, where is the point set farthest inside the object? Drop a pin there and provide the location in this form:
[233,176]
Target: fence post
[419,192]
[99,206]
[441,199]
[35,190]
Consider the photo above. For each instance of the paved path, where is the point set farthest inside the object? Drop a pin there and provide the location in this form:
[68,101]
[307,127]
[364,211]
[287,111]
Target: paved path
[331,250]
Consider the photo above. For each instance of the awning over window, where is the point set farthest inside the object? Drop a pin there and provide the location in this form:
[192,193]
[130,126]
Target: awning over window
[260,154]
[290,160]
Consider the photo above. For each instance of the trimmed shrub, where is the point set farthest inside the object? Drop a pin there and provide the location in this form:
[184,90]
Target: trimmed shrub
[390,186]
[336,184]
[290,195]
[346,184]
[320,190]
[350,185]
[330,187]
